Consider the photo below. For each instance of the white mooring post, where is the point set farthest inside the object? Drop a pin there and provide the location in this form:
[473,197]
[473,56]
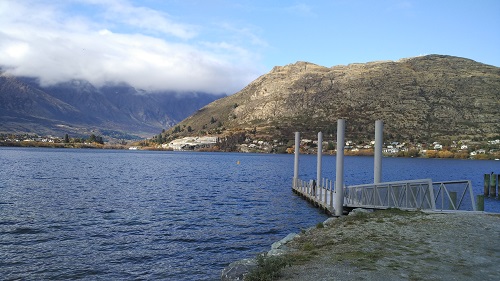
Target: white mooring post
[318,168]
[339,183]
[379,140]
[296,162]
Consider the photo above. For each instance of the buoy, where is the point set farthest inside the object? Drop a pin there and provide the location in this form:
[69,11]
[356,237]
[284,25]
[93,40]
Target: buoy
[238,162]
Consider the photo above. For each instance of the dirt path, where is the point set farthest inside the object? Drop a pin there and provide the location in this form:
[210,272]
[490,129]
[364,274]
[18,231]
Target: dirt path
[399,246]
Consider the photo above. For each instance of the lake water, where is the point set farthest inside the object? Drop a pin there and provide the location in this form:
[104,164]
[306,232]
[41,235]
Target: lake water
[136,215]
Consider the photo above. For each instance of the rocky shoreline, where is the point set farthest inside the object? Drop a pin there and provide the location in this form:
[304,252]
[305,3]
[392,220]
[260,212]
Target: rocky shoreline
[388,245]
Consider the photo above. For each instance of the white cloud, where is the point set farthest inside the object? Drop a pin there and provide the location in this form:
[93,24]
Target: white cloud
[144,18]
[45,41]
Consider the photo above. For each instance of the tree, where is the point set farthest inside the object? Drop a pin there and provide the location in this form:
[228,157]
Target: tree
[66,138]
[96,139]
[330,146]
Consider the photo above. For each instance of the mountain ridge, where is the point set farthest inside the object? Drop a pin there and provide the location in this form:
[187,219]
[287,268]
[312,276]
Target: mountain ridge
[79,108]
[418,98]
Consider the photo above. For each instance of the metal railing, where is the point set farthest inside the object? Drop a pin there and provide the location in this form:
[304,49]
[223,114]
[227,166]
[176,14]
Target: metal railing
[321,194]
[454,195]
[412,194]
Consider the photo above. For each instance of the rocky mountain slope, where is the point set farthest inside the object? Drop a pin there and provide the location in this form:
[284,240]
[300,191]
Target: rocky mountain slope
[420,98]
[79,108]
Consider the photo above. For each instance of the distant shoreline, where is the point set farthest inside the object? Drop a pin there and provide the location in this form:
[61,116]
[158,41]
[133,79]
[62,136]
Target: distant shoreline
[60,145]
[36,144]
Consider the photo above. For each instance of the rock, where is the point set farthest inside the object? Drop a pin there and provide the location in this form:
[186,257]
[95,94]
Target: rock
[278,252]
[288,238]
[329,221]
[356,211]
[236,271]
[279,248]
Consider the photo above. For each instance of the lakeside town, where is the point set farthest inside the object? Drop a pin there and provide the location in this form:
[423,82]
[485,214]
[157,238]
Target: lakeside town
[461,149]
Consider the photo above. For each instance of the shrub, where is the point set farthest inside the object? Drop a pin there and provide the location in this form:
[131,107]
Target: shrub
[268,268]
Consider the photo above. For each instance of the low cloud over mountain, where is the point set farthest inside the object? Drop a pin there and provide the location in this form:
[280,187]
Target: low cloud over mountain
[117,42]
[78,107]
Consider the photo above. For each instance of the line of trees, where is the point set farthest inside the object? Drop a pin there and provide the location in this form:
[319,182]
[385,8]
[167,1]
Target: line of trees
[92,139]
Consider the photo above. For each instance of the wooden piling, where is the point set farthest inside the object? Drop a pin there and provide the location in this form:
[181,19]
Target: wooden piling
[486,184]
[480,203]
[498,185]
[493,185]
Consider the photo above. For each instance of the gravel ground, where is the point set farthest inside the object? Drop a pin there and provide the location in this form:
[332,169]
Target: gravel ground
[399,246]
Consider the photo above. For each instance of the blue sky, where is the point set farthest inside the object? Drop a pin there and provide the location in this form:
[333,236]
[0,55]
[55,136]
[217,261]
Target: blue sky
[222,45]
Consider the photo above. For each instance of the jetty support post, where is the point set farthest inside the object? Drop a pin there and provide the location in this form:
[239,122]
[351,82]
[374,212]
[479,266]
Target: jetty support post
[486,184]
[493,185]
[296,160]
[379,140]
[498,185]
[318,168]
[480,202]
[339,180]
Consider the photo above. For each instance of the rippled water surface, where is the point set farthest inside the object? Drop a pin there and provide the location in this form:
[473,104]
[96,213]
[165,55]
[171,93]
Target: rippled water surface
[130,215]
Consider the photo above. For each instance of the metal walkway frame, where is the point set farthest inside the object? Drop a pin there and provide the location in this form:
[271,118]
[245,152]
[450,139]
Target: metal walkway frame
[454,195]
[420,194]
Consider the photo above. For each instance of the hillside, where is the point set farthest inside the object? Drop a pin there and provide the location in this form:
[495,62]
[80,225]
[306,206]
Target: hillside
[420,98]
[78,108]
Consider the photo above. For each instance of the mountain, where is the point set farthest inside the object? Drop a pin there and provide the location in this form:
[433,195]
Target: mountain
[78,108]
[421,98]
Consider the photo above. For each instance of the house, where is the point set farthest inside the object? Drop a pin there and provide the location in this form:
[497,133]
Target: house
[390,149]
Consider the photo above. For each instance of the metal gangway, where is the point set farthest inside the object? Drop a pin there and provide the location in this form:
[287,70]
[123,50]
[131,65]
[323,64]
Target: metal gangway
[422,194]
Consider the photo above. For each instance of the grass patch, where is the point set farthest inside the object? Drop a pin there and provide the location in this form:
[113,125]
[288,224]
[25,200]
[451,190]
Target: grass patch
[432,259]
[268,268]
[361,259]
[308,246]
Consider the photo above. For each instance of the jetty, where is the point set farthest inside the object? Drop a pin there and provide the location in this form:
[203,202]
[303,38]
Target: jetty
[335,198]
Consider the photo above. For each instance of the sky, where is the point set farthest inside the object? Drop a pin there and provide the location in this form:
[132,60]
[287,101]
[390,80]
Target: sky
[220,46]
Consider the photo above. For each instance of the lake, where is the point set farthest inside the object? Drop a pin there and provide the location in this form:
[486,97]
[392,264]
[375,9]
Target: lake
[68,214]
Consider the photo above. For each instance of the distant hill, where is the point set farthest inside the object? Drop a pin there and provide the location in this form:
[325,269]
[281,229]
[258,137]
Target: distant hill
[420,98]
[79,108]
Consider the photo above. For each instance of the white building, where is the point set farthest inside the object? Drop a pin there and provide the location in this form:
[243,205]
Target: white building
[191,143]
